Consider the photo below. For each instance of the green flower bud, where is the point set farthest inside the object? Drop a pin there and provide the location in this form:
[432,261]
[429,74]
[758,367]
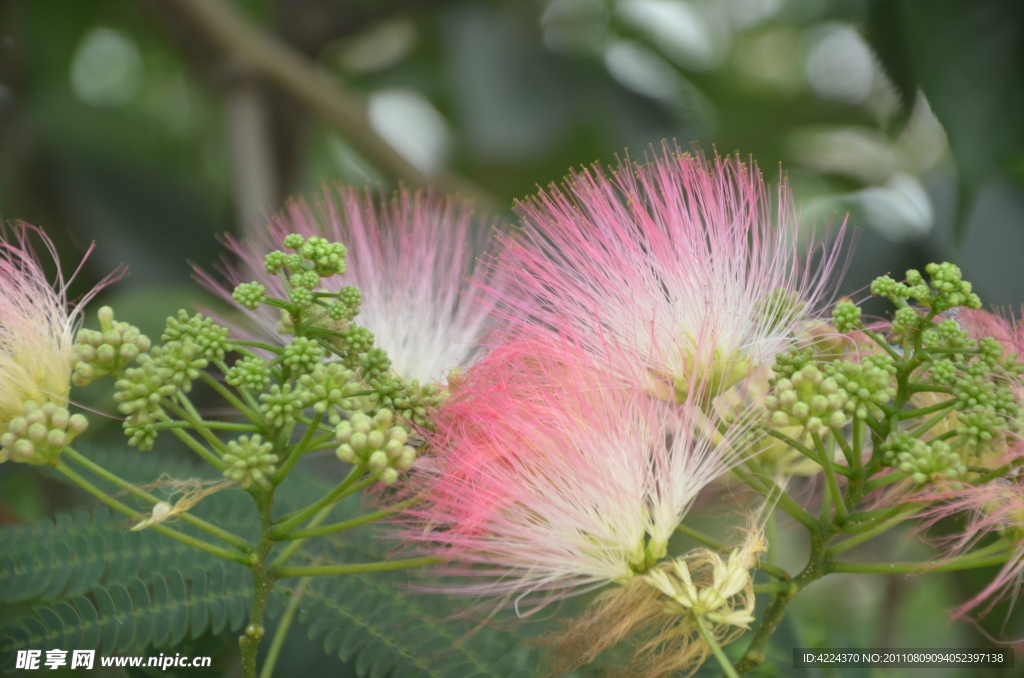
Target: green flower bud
[98,354]
[846,317]
[249,461]
[328,257]
[249,373]
[301,297]
[375,443]
[922,460]
[294,241]
[282,404]
[41,434]
[303,355]
[275,261]
[250,295]
[200,331]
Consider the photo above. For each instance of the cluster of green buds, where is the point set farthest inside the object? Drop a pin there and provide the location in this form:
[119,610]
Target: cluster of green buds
[375,442]
[409,399]
[332,385]
[39,435]
[108,351]
[190,344]
[809,399]
[923,461]
[311,260]
[250,461]
[948,289]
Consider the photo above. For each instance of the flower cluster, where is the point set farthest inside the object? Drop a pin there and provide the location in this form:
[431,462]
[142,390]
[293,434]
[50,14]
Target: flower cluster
[678,263]
[37,330]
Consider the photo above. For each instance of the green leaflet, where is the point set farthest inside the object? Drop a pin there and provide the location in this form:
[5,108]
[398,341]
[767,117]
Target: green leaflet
[374,621]
[101,586]
[131,614]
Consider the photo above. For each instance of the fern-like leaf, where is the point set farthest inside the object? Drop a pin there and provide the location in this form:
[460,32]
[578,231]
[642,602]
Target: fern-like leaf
[129,615]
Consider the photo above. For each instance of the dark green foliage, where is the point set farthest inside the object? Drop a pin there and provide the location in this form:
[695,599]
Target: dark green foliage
[129,614]
[373,621]
[95,584]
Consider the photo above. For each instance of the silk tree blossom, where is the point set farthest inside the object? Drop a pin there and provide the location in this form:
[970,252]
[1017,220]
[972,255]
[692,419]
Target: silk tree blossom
[416,259]
[37,331]
[550,479]
[996,508]
[682,263]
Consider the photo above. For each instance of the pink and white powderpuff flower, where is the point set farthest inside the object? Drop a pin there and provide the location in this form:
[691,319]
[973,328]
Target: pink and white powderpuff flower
[684,264]
[37,326]
[549,479]
[996,507]
[416,258]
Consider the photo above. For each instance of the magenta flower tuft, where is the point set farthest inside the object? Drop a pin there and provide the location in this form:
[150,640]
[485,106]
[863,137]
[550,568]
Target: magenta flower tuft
[550,479]
[679,262]
[997,508]
[426,296]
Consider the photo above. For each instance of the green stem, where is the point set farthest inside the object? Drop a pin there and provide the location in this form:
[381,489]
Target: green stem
[252,416]
[843,546]
[963,563]
[945,405]
[209,528]
[297,451]
[887,479]
[314,531]
[770,489]
[884,344]
[353,568]
[256,344]
[233,556]
[282,628]
[857,450]
[189,414]
[345,488]
[294,546]
[837,496]
[193,444]
[263,584]
[217,425]
[716,649]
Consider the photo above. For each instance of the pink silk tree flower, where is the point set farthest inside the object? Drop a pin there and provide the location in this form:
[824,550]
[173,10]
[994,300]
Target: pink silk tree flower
[549,479]
[416,260]
[37,327]
[997,508]
[682,263]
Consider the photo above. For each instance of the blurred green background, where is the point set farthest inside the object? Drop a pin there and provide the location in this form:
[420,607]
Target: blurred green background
[151,126]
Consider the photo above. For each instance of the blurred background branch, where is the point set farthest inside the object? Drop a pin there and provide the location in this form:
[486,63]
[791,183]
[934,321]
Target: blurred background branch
[323,94]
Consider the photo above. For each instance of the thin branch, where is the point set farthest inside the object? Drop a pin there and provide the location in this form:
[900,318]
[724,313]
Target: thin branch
[339,107]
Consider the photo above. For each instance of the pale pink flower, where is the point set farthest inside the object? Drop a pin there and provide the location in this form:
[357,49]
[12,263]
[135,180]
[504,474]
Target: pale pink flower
[685,264]
[550,479]
[37,326]
[993,508]
[427,297]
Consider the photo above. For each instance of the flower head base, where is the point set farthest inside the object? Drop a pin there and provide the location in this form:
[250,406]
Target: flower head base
[659,614]
[677,263]
[410,270]
[37,328]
